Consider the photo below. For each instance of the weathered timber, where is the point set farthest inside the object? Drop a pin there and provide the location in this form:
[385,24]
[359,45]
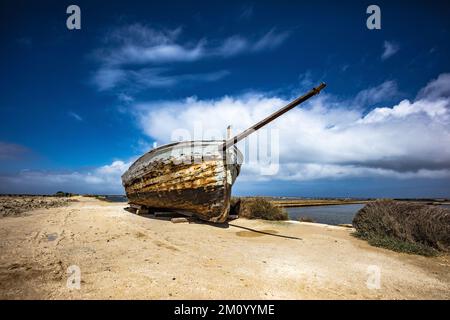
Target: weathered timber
[142,211]
[179,220]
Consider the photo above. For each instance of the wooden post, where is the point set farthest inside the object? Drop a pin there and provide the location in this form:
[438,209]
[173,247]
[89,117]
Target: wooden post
[228,132]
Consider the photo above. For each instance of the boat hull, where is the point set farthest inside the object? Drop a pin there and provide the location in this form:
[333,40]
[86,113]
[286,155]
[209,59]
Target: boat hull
[192,177]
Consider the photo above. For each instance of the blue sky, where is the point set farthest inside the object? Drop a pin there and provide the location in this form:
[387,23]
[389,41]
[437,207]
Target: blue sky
[77,106]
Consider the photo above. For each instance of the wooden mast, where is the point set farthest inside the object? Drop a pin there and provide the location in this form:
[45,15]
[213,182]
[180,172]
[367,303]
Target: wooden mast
[228,143]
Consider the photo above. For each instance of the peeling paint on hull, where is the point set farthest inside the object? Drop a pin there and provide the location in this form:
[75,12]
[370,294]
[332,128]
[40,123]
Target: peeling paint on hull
[192,176]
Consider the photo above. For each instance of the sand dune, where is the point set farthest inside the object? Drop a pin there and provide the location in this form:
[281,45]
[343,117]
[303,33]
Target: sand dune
[122,255]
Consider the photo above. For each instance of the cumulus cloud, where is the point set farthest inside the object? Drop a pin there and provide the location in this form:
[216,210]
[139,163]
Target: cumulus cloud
[136,52]
[389,49]
[325,138]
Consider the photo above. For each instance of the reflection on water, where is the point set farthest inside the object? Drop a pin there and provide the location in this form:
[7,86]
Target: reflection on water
[338,214]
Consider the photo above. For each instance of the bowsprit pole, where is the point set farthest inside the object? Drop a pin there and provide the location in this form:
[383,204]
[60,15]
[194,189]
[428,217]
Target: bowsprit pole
[228,143]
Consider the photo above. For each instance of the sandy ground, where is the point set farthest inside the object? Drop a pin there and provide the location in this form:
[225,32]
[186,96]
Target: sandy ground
[122,255]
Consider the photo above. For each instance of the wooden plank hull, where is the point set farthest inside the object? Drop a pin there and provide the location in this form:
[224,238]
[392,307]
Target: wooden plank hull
[193,176]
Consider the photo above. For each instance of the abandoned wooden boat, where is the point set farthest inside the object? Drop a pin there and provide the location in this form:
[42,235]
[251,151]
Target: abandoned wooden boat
[187,177]
[193,177]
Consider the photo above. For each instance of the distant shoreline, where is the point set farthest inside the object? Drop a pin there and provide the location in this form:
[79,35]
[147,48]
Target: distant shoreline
[296,203]
[284,202]
[303,203]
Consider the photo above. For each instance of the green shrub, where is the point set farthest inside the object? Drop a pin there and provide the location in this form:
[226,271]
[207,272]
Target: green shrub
[62,194]
[257,208]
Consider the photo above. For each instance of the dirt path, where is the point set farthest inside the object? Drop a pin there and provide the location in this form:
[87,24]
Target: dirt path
[122,256]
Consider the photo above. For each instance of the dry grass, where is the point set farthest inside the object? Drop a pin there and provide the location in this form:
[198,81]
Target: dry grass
[257,208]
[406,227]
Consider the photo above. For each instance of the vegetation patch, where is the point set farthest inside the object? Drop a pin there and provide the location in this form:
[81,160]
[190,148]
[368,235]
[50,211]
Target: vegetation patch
[404,227]
[397,245]
[20,205]
[257,208]
[64,194]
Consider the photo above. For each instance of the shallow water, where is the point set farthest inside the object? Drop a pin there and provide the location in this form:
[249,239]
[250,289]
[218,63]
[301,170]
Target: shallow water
[336,214]
[117,198]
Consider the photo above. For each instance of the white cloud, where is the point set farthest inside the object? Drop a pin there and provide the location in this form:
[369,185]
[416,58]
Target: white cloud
[389,49]
[157,53]
[135,80]
[437,88]
[382,92]
[270,40]
[125,98]
[107,77]
[238,44]
[306,80]
[437,109]
[139,44]
[104,179]
[325,138]
[232,46]
[137,52]
[76,116]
